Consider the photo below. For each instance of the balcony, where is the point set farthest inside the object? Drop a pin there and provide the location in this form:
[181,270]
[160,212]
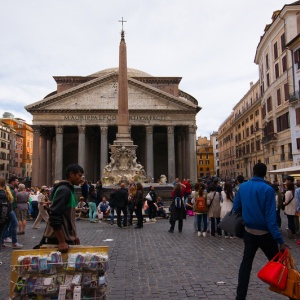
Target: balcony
[269,138]
[294,97]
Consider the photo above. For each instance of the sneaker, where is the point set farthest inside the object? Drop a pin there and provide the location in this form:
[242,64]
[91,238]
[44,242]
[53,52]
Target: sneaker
[204,234]
[152,220]
[7,240]
[199,233]
[17,246]
[226,236]
[171,231]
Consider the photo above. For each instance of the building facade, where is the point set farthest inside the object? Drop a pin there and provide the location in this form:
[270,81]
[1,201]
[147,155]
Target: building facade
[78,122]
[215,144]
[248,132]
[276,84]
[5,133]
[21,146]
[205,157]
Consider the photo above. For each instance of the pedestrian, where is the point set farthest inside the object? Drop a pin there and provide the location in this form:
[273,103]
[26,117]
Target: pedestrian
[33,199]
[5,207]
[152,204]
[138,205]
[10,233]
[297,197]
[103,209]
[201,216]
[239,180]
[131,201]
[290,207]
[279,203]
[22,208]
[227,201]
[261,229]
[178,212]
[121,201]
[161,212]
[43,205]
[214,210]
[61,228]
[92,202]
[112,205]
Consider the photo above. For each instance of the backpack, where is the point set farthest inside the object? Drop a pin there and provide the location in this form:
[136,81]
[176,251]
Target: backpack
[5,209]
[201,204]
[177,202]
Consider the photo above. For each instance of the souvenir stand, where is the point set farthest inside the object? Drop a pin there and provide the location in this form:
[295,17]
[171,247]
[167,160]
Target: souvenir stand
[47,274]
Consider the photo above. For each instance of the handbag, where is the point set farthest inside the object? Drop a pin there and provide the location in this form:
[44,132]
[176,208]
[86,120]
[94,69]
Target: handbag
[275,272]
[233,224]
[148,197]
[292,288]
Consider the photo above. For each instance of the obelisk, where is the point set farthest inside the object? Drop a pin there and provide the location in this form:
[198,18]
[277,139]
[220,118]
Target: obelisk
[123,135]
[123,164]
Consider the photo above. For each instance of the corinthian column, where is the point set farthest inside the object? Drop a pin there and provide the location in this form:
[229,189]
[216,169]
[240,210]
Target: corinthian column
[192,153]
[81,146]
[36,156]
[171,154]
[149,151]
[58,153]
[103,149]
[43,160]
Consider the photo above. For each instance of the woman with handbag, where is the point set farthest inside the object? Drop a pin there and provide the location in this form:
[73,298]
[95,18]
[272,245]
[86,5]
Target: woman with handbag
[227,202]
[214,210]
[290,209]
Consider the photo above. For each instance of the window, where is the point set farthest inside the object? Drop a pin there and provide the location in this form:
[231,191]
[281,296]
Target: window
[251,117]
[298,143]
[297,116]
[286,92]
[290,154]
[269,104]
[282,40]
[282,153]
[297,58]
[247,132]
[278,97]
[267,61]
[276,71]
[207,162]
[275,50]
[284,64]
[268,80]
[283,122]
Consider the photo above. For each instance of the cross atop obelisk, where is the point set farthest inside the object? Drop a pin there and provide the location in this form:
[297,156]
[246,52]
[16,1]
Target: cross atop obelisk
[122,21]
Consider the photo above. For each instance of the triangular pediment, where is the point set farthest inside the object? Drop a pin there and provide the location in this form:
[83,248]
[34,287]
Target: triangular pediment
[101,94]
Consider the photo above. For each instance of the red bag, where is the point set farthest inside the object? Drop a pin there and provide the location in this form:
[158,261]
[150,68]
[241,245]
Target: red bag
[275,272]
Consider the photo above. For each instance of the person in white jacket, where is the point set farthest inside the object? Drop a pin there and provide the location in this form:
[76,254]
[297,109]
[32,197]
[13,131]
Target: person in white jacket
[227,202]
[290,208]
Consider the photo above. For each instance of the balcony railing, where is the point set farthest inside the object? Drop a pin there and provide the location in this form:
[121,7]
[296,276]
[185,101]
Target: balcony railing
[294,96]
[269,138]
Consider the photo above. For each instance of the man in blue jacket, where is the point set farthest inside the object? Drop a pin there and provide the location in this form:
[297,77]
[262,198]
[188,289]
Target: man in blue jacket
[256,201]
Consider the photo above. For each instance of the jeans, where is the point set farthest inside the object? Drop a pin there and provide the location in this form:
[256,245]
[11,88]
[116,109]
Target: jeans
[130,211]
[92,211]
[201,217]
[35,209]
[11,228]
[139,215]
[291,223]
[278,217]
[214,222]
[119,219]
[152,209]
[251,244]
[112,214]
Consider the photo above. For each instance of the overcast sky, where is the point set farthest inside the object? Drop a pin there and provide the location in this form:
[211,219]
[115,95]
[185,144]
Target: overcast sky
[210,44]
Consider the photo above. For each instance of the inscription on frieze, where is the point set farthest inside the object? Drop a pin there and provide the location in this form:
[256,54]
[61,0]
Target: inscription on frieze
[90,118]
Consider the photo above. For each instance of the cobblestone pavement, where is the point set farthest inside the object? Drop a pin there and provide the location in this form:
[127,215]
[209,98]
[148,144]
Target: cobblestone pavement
[151,263]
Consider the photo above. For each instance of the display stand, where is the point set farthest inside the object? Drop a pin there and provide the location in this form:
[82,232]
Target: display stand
[78,274]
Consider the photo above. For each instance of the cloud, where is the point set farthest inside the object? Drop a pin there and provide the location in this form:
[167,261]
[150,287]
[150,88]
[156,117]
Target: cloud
[210,44]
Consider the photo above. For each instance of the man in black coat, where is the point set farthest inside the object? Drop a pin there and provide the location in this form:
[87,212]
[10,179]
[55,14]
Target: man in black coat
[121,201]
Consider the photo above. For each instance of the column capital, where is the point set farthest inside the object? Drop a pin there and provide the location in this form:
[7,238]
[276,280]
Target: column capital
[170,129]
[192,128]
[81,128]
[36,128]
[59,129]
[103,129]
[149,129]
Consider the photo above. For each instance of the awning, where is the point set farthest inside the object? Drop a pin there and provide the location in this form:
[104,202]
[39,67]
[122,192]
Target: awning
[290,170]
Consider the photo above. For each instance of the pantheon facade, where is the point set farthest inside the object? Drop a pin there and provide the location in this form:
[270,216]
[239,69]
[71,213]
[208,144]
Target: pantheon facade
[77,123]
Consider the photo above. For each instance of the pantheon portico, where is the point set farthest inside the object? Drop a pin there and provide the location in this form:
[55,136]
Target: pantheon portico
[77,123]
